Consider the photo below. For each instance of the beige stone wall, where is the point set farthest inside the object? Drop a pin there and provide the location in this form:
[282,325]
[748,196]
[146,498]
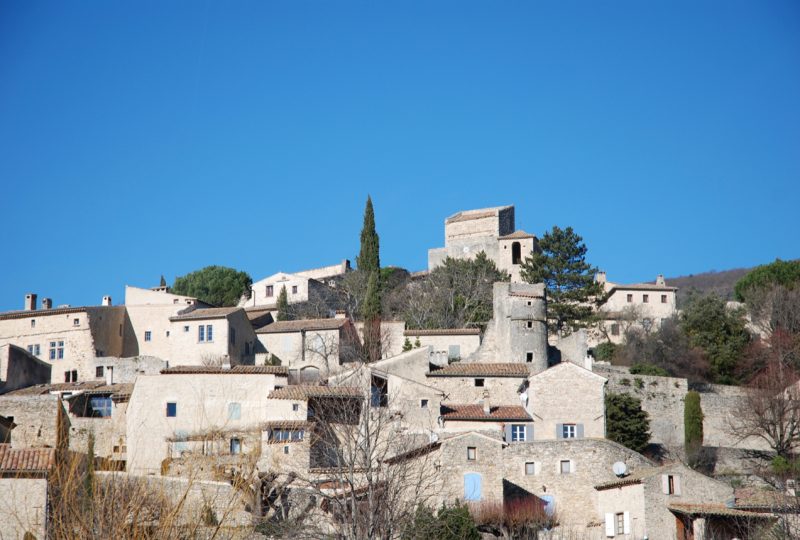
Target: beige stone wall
[108,432]
[37,419]
[202,405]
[505,259]
[392,338]
[567,394]
[281,279]
[317,348]
[719,404]
[453,465]
[654,308]
[23,507]
[502,390]
[323,272]
[19,369]
[185,348]
[137,296]
[153,318]
[623,499]
[467,344]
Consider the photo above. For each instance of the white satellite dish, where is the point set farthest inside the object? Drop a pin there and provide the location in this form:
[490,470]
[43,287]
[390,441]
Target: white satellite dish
[619,468]
[523,397]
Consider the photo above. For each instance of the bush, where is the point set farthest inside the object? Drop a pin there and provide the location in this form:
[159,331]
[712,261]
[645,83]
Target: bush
[604,352]
[449,523]
[648,369]
[693,426]
[626,422]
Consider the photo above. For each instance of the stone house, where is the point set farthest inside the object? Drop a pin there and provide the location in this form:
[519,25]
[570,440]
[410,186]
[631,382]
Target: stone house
[19,368]
[453,343]
[24,482]
[671,501]
[639,305]
[473,382]
[182,404]
[200,336]
[491,230]
[38,417]
[567,402]
[311,348]
[299,288]
[511,423]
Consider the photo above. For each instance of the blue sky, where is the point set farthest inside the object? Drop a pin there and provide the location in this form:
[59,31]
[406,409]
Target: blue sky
[149,138]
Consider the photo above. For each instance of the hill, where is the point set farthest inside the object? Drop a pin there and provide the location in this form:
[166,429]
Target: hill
[721,282]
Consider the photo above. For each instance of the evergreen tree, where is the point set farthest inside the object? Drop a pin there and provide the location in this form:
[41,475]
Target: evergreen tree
[163,282]
[693,426]
[216,285]
[372,318]
[561,265]
[368,259]
[89,478]
[283,305]
[407,346]
[626,422]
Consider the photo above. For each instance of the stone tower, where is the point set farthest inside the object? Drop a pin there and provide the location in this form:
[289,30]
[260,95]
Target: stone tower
[520,324]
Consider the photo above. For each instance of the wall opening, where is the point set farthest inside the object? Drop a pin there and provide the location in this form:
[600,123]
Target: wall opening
[516,253]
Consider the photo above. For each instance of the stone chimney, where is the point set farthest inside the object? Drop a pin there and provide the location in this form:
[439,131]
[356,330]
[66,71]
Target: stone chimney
[600,277]
[660,280]
[30,302]
[109,375]
[340,314]
[106,300]
[47,303]
[487,408]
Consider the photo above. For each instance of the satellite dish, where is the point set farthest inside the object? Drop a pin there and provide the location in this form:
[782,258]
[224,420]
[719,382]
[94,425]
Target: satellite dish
[619,468]
[523,397]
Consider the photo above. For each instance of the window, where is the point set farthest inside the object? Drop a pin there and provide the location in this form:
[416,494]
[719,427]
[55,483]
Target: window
[663,298]
[56,350]
[234,411]
[530,468]
[518,432]
[99,371]
[101,407]
[529,357]
[233,336]
[74,375]
[630,298]
[454,352]
[615,329]
[479,382]
[236,446]
[76,322]
[472,487]
[270,291]
[568,431]
[516,253]
[209,333]
[294,289]
[472,453]
[285,449]
[620,521]
[379,392]
[34,349]
[205,333]
[185,328]
[71,376]
[295,407]
[148,335]
[671,484]
[645,298]
[423,404]
[33,323]
[172,409]
[565,466]
[120,330]
[530,324]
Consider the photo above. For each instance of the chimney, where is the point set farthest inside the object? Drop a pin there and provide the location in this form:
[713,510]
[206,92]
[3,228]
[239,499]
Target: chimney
[106,300]
[109,375]
[600,277]
[30,302]
[660,280]
[487,409]
[47,303]
[340,314]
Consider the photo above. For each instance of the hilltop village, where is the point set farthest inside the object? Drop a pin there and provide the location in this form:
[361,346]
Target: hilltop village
[241,423]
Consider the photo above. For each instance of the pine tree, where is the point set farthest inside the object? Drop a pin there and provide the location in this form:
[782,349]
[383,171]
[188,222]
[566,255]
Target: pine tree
[626,422]
[163,282]
[283,305]
[693,427]
[407,346]
[368,259]
[569,279]
[371,311]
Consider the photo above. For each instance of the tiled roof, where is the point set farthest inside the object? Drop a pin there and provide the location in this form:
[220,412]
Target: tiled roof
[476,413]
[763,499]
[193,314]
[280,327]
[26,459]
[302,392]
[217,370]
[475,369]
[23,314]
[467,216]
[527,294]
[635,477]
[719,510]
[414,452]
[642,287]
[287,424]
[83,386]
[518,235]
[444,332]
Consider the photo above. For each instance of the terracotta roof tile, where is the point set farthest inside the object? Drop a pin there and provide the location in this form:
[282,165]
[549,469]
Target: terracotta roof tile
[44,389]
[194,313]
[303,392]
[714,510]
[499,413]
[26,459]
[764,499]
[641,287]
[475,369]
[217,370]
[287,424]
[518,235]
[443,332]
[280,327]
[22,314]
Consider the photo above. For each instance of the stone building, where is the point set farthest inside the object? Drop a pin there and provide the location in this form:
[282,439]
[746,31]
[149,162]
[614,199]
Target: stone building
[184,403]
[201,336]
[455,343]
[24,479]
[19,368]
[491,230]
[300,287]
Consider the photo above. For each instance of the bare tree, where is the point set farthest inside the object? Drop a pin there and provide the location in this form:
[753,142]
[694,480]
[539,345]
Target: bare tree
[775,307]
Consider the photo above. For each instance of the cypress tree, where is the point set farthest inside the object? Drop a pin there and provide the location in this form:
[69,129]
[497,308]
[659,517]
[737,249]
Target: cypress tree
[693,426]
[283,305]
[368,259]
[372,318]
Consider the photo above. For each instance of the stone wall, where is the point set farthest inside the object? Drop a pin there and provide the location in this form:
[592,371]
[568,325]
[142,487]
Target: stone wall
[19,369]
[39,420]
[126,370]
[23,507]
[719,403]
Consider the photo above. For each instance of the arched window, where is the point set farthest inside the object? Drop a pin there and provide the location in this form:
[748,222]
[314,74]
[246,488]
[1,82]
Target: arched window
[516,253]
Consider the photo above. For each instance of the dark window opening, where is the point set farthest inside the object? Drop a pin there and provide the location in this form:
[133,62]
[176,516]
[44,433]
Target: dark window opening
[479,382]
[379,392]
[98,371]
[516,253]
[529,357]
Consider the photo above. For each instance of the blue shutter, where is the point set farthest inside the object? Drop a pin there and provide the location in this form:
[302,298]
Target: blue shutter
[529,433]
[472,487]
[579,431]
[507,433]
[559,431]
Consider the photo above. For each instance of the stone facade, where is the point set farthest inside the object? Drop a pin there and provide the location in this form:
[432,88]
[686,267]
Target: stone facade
[226,337]
[19,368]
[23,507]
[518,332]
[39,420]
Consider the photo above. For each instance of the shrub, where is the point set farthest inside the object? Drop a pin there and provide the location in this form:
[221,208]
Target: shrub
[449,523]
[638,383]
[407,346]
[605,351]
[625,381]
[648,369]
[626,422]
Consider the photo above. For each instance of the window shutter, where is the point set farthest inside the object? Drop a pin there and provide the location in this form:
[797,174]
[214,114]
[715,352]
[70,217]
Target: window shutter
[529,433]
[507,432]
[559,431]
[664,484]
[572,466]
[676,482]
[537,467]
[610,526]
[626,517]
[579,430]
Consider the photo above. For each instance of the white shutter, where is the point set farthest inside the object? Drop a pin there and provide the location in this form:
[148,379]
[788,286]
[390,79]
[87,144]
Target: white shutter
[537,467]
[571,466]
[665,484]
[610,532]
[626,517]
[676,482]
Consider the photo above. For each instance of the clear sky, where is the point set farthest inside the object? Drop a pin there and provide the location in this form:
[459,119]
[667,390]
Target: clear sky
[148,138]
